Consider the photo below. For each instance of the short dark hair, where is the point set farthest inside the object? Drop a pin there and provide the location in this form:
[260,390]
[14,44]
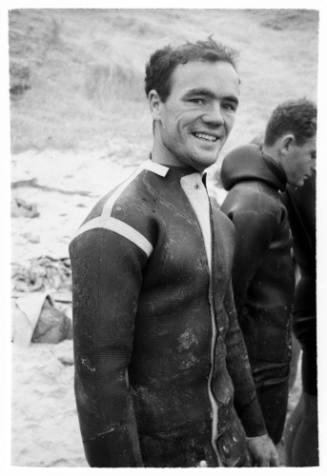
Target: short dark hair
[162,62]
[298,117]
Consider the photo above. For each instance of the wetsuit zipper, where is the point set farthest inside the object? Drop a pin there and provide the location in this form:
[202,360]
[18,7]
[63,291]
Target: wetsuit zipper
[214,406]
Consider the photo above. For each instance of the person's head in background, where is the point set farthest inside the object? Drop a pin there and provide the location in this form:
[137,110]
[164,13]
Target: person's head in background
[193,93]
[290,139]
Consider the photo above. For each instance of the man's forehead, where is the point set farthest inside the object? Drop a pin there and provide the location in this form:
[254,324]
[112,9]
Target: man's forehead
[202,74]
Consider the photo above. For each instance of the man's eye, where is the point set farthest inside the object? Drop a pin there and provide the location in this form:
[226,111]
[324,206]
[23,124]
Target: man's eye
[199,101]
[313,155]
[230,107]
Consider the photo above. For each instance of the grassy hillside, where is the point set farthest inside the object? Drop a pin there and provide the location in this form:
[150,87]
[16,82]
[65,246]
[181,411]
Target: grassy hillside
[77,75]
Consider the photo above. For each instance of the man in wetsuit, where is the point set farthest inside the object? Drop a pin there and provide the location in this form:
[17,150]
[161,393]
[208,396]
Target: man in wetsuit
[162,374]
[263,271]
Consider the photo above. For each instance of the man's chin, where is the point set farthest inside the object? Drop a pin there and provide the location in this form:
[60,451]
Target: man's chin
[208,158]
[204,162]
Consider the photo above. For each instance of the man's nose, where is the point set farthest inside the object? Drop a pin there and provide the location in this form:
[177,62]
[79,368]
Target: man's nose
[214,114]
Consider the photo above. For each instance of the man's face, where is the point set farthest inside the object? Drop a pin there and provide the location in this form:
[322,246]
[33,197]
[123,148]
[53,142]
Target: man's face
[300,162]
[197,117]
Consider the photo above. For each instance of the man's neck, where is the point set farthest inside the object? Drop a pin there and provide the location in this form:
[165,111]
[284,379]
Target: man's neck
[272,152]
[161,155]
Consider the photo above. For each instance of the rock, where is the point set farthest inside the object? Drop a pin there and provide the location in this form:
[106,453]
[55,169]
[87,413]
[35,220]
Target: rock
[64,352]
[31,238]
[66,359]
[20,208]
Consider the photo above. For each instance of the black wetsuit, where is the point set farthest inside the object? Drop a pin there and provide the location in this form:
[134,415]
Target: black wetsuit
[160,362]
[263,273]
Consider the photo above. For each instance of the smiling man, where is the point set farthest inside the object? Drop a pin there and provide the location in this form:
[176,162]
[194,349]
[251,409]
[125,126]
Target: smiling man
[263,274]
[162,374]
[193,123]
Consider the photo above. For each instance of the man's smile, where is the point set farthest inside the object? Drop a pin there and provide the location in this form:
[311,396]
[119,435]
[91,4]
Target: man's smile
[206,136]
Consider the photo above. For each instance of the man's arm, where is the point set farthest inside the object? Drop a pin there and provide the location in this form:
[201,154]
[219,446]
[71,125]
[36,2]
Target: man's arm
[260,446]
[107,276]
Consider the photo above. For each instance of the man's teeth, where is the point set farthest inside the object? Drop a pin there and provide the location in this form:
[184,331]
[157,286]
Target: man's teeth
[207,137]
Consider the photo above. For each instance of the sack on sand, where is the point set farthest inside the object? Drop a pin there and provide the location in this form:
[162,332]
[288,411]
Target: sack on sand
[36,319]
[53,325]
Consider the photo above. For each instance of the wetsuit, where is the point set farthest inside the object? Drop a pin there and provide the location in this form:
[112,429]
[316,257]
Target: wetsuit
[263,273]
[162,376]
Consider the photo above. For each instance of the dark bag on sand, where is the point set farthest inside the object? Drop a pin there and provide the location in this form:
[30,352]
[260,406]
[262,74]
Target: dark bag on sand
[53,325]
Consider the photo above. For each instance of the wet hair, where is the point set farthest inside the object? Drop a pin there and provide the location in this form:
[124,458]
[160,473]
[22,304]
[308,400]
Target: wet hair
[163,62]
[297,117]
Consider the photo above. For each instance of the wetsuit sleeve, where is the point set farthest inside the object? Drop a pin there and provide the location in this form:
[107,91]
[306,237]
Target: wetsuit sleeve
[254,233]
[245,397]
[107,276]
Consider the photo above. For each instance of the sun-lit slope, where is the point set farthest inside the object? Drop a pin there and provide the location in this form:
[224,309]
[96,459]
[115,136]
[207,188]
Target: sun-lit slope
[77,75]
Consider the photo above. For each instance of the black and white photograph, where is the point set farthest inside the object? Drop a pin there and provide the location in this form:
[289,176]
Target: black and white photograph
[162,177]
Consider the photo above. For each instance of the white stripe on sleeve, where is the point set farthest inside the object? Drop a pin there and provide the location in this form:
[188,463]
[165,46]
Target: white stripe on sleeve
[119,227]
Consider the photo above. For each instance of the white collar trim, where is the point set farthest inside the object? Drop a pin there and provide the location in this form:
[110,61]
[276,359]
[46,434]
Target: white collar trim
[156,168]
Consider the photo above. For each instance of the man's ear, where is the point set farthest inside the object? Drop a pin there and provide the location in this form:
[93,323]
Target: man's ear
[286,143]
[155,104]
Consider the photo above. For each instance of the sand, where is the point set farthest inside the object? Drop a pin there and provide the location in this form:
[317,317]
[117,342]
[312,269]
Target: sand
[45,430]
[45,425]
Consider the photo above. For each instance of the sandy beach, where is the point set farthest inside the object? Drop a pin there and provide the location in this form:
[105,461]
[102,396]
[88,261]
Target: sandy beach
[45,429]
